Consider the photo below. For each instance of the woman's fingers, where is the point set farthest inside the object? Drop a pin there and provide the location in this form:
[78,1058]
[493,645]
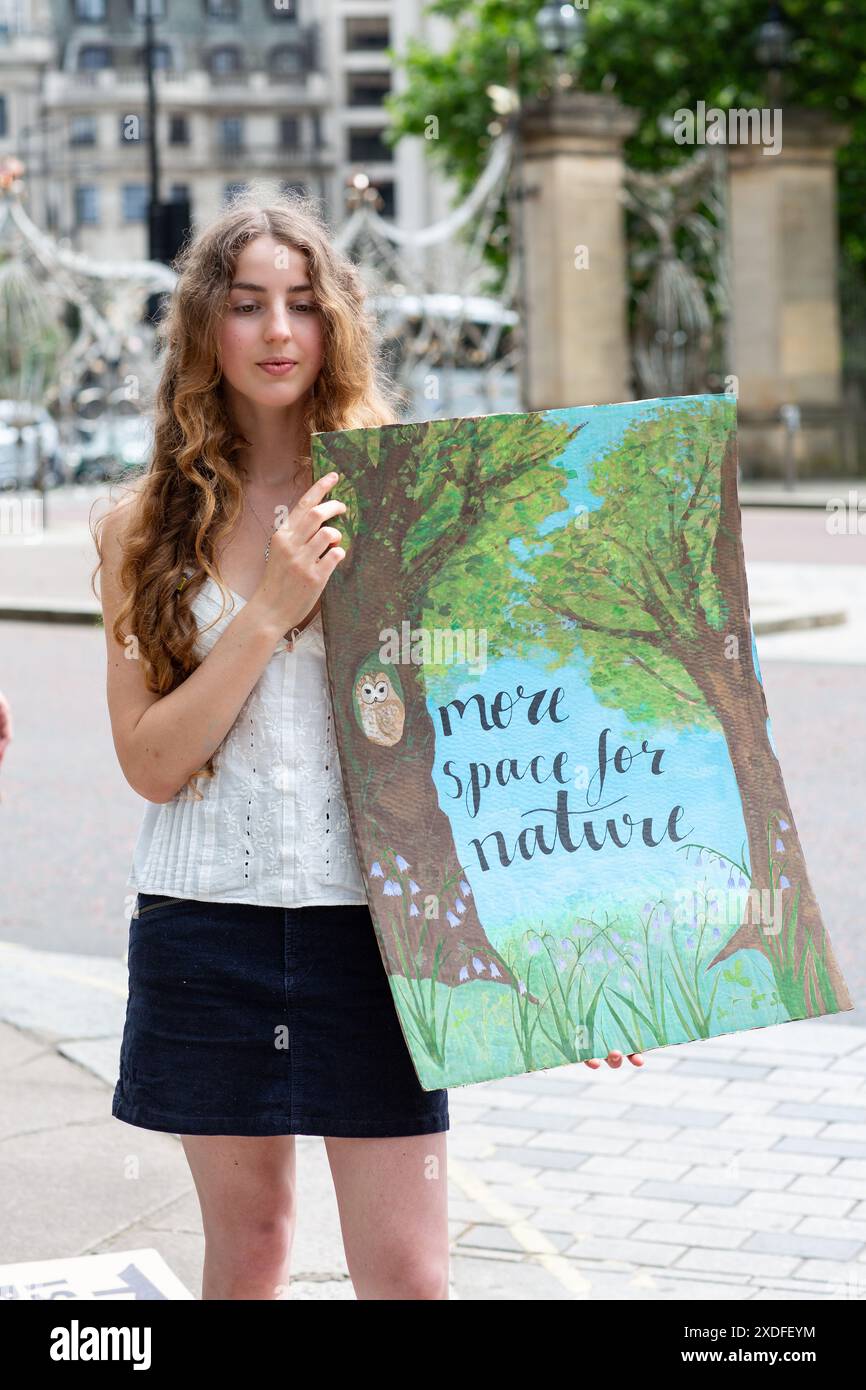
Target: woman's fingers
[614,1059]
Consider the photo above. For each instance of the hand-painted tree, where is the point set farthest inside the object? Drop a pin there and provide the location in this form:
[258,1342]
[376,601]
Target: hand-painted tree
[651,585]
[430,506]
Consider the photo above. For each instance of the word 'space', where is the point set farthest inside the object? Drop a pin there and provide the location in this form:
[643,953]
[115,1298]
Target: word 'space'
[546,835]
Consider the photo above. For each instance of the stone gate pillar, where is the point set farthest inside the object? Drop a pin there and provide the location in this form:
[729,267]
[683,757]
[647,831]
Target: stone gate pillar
[568,185]
[785,336]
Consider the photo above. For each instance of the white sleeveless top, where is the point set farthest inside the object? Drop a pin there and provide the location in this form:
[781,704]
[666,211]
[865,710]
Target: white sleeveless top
[272,827]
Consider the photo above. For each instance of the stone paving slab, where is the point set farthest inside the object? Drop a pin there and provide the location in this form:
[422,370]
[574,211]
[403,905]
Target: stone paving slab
[731,1169]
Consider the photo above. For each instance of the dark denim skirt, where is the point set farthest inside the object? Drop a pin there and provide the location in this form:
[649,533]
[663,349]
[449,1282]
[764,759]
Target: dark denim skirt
[244,1019]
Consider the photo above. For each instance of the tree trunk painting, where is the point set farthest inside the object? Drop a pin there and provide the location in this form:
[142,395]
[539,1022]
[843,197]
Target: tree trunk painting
[601,544]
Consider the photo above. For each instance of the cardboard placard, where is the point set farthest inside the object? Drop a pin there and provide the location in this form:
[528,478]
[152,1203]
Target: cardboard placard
[554,741]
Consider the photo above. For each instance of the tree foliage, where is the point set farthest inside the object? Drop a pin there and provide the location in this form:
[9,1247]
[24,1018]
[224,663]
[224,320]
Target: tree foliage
[631,582]
[655,59]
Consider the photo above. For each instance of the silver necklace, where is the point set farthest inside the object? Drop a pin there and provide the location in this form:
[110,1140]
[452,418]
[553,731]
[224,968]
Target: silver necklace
[291,640]
[268,533]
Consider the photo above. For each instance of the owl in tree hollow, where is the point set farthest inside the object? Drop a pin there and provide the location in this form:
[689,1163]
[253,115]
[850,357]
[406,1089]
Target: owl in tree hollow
[378,702]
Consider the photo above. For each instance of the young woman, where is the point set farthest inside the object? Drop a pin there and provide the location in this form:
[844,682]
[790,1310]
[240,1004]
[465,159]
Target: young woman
[258,1004]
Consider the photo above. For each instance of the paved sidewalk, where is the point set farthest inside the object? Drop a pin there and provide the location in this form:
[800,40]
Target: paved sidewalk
[728,1169]
[822,493]
[46,578]
[47,559]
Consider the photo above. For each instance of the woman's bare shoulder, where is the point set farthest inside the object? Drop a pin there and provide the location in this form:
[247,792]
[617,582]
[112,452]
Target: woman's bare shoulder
[117,526]
[129,490]
[121,507]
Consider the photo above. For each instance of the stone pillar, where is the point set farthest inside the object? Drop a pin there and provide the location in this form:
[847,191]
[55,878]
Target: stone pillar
[568,193]
[785,334]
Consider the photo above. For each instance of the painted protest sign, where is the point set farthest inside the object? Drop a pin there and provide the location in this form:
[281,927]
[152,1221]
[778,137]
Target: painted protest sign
[554,741]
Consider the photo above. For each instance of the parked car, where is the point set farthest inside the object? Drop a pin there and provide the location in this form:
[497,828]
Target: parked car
[111,446]
[21,445]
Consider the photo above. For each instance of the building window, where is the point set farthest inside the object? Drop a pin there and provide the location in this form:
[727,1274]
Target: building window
[221,9]
[231,132]
[287,61]
[290,132]
[157,8]
[178,129]
[225,61]
[86,204]
[368,35]
[3,125]
[135,201]
[94,56]
[385,187]
[230,189]
[368,88]
[179,192]
[89,11]
[162,57]
[367,146]
[82,130]
[281,9]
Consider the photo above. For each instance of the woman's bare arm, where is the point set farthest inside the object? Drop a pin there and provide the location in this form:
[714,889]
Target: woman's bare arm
[161,740]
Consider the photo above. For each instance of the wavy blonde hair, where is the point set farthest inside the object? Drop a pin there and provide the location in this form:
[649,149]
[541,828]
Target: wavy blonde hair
[190,495]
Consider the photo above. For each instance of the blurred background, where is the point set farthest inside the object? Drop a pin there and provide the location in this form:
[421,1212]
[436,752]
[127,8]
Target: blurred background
[551,205]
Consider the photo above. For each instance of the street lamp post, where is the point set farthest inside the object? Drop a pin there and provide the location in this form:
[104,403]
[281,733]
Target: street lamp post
[155,247]
[772,48]
[49,134]
[168,222]
[561,27]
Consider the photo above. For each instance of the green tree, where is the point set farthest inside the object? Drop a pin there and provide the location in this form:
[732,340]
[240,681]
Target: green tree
[654,58]
[650,585]
[32,340]
[429,505]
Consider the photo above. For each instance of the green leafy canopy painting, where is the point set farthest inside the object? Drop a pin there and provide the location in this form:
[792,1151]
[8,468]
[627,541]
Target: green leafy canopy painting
[554,741]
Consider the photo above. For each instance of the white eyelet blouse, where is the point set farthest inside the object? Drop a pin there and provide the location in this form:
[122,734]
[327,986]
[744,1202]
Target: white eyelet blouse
[272,827]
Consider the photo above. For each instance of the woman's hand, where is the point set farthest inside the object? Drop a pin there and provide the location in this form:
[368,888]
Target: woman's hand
[303,555]
[614,1059]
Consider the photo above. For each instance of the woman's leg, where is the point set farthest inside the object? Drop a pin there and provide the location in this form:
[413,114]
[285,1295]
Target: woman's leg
[392,1196]
[246,1191]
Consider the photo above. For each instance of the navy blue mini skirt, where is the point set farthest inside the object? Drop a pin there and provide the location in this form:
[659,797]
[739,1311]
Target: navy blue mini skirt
[243,1019]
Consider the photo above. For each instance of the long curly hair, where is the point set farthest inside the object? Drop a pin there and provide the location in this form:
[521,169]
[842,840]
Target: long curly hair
[190,495]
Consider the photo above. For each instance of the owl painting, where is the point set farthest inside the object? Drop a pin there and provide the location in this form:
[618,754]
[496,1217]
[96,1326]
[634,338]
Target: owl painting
[378,702]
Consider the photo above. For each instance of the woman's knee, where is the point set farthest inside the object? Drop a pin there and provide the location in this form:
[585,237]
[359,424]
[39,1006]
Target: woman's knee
[246,1191]
[258,1248]
[407,1274]
[427,1281]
